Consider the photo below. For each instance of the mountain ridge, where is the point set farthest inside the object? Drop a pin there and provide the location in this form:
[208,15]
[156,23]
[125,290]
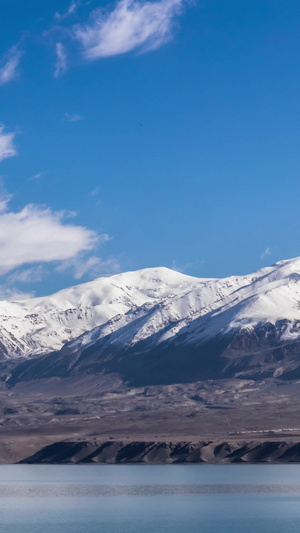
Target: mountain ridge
[154,356]
[157,326]
[166,302]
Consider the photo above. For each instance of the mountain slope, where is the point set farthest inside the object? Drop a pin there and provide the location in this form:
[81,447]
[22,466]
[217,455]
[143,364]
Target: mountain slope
[159,326]
[33,327]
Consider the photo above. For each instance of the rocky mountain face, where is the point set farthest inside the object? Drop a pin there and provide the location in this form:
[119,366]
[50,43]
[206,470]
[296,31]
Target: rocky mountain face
[157,326]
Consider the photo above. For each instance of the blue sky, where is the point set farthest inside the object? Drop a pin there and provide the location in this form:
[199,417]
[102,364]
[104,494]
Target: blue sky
[139,134]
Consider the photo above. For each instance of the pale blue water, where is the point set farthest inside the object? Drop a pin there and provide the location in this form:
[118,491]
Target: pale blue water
[146,499]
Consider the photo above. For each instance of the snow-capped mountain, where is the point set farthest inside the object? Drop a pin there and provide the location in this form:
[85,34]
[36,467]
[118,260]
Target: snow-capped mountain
[162,311]
[201,309]
[40,325]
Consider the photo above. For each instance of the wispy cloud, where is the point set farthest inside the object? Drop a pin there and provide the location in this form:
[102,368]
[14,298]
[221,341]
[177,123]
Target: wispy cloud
[73,7]
[27,275]
[94,192]
[5,198]
[61,60]
[13,294]
[7,147]
[92,266]
[9,65]
[128,26]
[266,253]
[73,117]
[182,268]
[36,176]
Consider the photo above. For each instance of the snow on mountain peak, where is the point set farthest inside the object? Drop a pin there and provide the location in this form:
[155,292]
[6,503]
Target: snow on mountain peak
[152,303]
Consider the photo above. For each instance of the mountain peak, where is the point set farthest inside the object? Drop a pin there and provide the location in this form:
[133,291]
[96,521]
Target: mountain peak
[156,301]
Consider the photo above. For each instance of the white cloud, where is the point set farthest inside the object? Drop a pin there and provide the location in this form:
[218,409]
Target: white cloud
[5,198]
[266,253]
[13,294]
[9,65]
[7,147]
[36,176]
[182,268]
[39,235]
[73,117]
[61,60]
[94,266]
[130,25]
[94,192]
[70,11]
[27,275]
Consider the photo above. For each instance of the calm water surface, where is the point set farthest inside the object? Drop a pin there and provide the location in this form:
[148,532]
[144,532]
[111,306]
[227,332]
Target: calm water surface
[146,499]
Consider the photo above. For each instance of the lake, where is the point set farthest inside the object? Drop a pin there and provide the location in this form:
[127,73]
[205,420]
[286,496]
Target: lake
[146,499]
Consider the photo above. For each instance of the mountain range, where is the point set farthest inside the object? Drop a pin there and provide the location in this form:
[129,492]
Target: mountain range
[154,365]
[158,326]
